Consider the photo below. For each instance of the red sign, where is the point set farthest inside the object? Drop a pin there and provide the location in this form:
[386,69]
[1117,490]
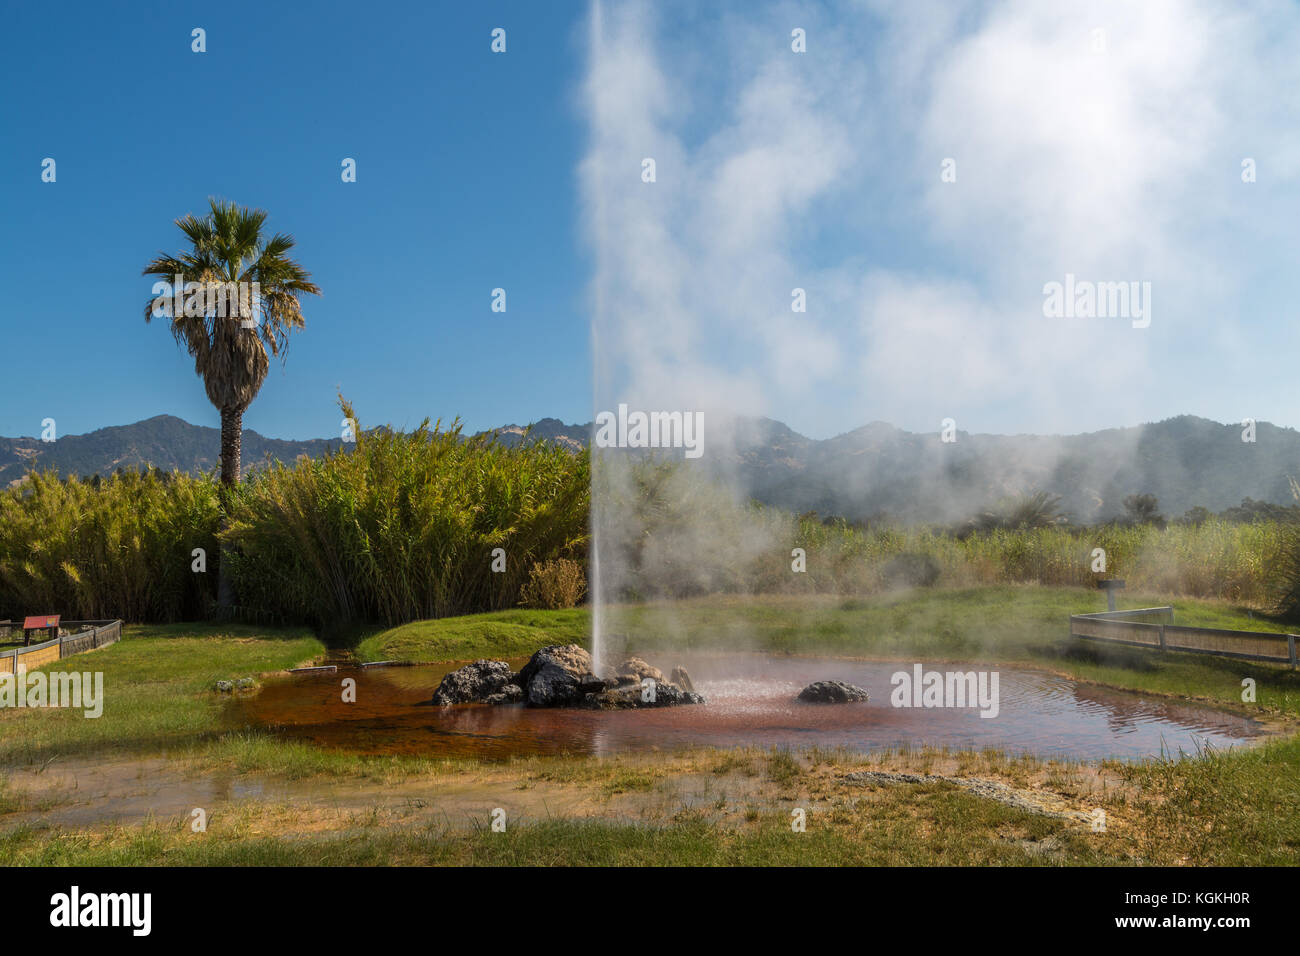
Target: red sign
[42,621]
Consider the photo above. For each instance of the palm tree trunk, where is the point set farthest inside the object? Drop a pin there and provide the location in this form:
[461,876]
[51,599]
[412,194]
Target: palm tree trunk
[232,427]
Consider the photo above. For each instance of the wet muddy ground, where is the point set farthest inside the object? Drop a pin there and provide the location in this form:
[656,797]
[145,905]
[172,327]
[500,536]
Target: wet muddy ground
[645,788]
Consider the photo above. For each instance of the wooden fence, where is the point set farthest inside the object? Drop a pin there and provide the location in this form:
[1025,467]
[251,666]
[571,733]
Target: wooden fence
[1153,627]
[98,634]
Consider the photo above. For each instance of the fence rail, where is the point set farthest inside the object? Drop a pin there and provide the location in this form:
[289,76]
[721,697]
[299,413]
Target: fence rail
[98,634]
[1153,627]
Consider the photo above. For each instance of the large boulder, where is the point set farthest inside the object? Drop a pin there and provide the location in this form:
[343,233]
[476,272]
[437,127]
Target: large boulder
[832,692]
[474,682]
[556,676]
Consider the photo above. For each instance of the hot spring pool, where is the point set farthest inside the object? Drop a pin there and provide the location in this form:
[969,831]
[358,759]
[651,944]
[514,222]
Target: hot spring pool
[750,703]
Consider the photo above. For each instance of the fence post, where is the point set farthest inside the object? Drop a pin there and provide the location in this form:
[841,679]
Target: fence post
[1290,648]
[1162,637]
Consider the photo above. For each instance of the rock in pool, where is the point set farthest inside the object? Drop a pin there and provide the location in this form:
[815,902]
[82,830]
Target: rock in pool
[561,676]
[639,670]
[510,694]
[629,696]
[556,675]
[832,692]
[682,679]
[477,681]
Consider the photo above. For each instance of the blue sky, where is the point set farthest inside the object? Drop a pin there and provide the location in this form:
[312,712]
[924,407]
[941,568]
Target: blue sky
[466,182]
[1114,161]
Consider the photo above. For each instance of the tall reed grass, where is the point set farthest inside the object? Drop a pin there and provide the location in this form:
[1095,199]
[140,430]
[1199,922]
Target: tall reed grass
[1215,559]
[670,534]
[107,548]
[404,526]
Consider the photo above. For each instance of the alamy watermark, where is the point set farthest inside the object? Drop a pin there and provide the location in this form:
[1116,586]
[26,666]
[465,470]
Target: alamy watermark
[196,300]
[651,430]
[84,691]
[133,911]
[1082,299]
[961,689]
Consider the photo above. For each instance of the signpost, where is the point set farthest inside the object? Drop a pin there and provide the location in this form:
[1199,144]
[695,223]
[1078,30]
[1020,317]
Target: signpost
[1110,586]
[41,622]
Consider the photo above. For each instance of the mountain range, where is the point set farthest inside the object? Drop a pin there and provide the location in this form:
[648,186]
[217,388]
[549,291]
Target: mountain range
[869,472]
[170,443]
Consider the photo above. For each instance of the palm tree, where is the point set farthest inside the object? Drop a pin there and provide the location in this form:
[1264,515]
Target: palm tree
[229,344]
[1036,509]
[230,352]
[1143,509]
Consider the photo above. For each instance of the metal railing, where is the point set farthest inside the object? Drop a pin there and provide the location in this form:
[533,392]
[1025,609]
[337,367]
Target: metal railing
[1153,627]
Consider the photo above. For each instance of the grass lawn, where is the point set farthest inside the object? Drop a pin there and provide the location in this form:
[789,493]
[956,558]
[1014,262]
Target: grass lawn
[1240,807]
[500,634]
[158,690]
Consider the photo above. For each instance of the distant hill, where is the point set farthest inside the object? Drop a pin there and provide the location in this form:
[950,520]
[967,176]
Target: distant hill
[879,469]
[170,443]
[573,437]
[874,470]
[164,441]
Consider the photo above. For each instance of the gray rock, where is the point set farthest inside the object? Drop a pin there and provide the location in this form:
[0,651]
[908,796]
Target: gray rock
[245,683]
[682,679]
[561,676]
[832,692]
[555,676]
[639,669]
[510,694]
[630,697]
[473,682]
[225,686]
[590,684]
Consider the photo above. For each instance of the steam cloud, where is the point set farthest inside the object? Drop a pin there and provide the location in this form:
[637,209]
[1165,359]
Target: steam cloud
[1103,140]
